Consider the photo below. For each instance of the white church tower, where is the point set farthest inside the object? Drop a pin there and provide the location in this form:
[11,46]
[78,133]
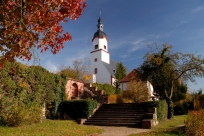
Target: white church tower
[102,67]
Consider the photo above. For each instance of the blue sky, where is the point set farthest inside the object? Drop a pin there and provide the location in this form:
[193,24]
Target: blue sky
[130,25]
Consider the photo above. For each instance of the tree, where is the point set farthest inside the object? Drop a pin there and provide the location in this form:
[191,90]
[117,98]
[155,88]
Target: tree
[29,24]
[164,68]
[77,71]
[136,91]
[68,72]
[119,74]
[24,90]
[80,66]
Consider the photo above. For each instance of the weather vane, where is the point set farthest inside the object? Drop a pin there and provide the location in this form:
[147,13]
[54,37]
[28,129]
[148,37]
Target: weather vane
[99,13]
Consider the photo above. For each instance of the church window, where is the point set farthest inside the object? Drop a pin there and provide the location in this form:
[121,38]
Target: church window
[95,59]
[104,47]
[95,71]
[96,46]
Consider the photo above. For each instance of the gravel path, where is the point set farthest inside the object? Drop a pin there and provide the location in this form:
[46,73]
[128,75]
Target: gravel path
[120,131]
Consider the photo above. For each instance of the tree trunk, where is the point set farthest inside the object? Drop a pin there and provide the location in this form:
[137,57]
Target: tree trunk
[170,114]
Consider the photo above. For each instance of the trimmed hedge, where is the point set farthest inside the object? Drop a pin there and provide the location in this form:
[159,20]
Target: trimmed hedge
[162,108]
[77,108]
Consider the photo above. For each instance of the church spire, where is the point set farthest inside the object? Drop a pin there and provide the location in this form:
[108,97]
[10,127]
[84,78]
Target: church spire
[100,25]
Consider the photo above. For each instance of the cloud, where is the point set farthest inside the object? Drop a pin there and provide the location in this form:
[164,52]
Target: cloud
[198,9]
[181,23]
[50,66]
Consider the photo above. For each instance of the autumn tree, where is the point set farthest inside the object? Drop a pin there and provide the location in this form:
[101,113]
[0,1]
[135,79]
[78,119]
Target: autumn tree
[80,66]
[26,25]
[78,70]
[67,71]
[136,91]
[119,74]
[163,68]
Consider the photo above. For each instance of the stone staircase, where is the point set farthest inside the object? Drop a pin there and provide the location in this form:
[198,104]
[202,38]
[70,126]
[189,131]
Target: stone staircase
[94,93]
[125,114]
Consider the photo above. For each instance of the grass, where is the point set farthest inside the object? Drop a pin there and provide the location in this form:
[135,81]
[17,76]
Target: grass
[51,128]
[167,128]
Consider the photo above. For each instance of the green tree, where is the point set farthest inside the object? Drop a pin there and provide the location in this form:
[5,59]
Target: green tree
[24,90]
[163,68]
[119,74]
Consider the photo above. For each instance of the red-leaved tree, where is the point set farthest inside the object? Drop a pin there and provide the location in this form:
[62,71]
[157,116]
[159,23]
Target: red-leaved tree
[29,24]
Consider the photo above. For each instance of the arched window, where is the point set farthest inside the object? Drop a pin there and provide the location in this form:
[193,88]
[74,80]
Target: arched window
[95,71]
[95,59]
[96,46]
[104,47]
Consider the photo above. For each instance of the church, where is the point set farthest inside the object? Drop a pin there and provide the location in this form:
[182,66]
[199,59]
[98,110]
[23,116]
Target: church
[102,67]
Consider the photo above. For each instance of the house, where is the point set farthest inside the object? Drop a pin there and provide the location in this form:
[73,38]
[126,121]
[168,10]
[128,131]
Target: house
[134,75]
[102,67]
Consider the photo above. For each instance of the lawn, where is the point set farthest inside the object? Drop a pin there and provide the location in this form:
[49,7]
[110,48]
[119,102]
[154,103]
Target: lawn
[167,128]
[50,128]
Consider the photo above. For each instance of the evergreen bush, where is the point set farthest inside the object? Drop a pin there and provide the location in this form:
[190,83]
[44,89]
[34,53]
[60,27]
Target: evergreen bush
[77,108]
[161,106]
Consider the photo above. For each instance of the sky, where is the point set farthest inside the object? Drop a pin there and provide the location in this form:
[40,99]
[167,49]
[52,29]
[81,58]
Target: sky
[130,25]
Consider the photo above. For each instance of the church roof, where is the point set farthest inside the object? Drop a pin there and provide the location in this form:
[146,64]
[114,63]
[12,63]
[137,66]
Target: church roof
[111,67]
[132,75]
[100,34]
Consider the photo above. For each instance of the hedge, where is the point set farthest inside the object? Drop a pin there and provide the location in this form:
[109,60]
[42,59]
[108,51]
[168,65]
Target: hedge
[162,108]
[77,108]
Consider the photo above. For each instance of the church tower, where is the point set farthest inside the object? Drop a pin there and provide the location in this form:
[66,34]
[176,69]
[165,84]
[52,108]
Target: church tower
[102,67]
[100,45]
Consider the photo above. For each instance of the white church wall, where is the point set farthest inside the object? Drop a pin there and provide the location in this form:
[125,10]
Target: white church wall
[102,43]
[95,42]
[105,57]
[103,75]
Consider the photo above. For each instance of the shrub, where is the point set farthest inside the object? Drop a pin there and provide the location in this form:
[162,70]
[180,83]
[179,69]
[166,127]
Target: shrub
[199,102]
[115,98]
[195,123]
[183,107]
[161,106]
[136,91]
[108,89]
[77,108]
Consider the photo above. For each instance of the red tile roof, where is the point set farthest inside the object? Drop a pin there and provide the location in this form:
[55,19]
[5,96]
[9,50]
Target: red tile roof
[132,75]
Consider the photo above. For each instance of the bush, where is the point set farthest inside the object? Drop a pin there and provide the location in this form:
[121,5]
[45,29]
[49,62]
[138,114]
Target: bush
[183,107]
[161,106]
[195,123]
[115,98]
[199,102]
[108,89]
[77,108]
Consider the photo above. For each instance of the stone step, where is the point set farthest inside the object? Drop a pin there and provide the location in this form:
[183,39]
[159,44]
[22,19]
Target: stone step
[117,115]
[115,124]
[114,120]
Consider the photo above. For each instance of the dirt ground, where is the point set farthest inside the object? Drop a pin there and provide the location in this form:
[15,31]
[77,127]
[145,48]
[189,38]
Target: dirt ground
[119,131]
